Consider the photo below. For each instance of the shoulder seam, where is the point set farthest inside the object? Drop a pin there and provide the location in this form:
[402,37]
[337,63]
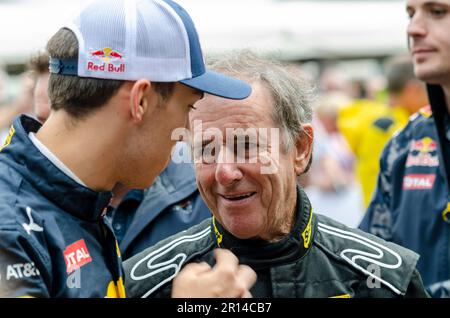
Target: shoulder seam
[367,256]
[37,248]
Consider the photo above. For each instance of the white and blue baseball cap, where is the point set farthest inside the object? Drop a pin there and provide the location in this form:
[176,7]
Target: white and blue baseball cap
[134,39]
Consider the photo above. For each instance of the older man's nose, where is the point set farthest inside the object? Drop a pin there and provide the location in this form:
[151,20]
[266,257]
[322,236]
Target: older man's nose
[228,173]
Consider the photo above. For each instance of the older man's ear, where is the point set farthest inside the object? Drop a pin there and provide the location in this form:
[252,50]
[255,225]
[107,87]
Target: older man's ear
[303,149]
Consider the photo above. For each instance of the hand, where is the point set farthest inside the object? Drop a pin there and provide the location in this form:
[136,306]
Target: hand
[227,279]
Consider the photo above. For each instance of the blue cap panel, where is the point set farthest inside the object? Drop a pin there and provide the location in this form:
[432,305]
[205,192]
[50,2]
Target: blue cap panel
[219,85]
[197,64]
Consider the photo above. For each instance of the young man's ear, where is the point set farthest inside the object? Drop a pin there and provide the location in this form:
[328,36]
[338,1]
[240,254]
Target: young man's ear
[143,99]
[303,149]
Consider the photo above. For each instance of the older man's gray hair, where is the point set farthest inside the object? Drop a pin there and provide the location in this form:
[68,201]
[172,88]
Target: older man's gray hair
[290,92]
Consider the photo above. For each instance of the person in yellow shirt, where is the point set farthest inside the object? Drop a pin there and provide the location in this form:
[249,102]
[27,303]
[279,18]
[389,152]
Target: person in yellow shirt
[367,125]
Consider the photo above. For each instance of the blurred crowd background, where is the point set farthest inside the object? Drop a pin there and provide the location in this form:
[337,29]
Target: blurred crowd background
[354,54]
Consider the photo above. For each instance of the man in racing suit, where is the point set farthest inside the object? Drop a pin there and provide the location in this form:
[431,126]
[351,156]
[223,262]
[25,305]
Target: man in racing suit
[260,214]
[411,205]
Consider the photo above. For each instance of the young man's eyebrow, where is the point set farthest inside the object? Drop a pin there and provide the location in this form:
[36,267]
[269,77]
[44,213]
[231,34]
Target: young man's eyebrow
[434,2]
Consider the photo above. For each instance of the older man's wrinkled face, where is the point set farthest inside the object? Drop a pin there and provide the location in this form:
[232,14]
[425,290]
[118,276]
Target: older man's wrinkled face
[246,199]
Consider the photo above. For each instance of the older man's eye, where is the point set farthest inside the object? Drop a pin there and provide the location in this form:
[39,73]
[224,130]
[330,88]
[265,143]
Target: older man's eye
[207,153]
[245,150]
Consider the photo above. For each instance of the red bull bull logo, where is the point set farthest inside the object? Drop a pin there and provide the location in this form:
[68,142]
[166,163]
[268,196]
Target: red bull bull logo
[106,60]
[424,145]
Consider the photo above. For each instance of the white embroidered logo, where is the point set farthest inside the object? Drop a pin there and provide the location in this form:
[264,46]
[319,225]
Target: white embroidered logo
[31,226]
[156,263]
[377,257]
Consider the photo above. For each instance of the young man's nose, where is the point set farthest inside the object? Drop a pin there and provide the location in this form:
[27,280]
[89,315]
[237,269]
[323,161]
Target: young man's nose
[417,26]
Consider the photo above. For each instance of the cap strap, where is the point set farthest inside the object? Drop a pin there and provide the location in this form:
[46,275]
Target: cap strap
[63,66]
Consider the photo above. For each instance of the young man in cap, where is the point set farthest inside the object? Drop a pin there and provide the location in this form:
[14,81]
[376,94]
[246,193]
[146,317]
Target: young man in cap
[124,74]
[411,205]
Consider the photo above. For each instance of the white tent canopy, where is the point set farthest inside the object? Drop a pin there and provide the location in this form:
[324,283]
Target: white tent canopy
[292,29]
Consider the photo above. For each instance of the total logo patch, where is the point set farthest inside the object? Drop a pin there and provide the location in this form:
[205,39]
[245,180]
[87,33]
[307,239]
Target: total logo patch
[418,181]
[21,270]
[76,255]
[106,60]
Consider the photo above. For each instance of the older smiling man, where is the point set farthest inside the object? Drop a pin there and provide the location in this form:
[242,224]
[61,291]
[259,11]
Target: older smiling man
[261,214]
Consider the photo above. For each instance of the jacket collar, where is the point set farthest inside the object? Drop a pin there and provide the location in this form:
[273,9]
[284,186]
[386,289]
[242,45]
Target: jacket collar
[260,254]
[440,114]
[51,182]
[175,183]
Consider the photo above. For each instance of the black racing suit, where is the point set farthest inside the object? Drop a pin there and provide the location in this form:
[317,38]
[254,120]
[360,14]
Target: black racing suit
[319,258]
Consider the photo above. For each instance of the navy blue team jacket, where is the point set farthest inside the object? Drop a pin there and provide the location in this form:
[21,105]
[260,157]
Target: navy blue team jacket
[54,238]
[411,204]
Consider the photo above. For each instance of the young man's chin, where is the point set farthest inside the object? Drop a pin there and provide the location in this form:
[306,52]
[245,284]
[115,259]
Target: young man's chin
[142,184]
[431,73]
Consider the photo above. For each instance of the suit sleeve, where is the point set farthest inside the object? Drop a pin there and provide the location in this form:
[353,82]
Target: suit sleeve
[378,217]
[415,287]
[21,266]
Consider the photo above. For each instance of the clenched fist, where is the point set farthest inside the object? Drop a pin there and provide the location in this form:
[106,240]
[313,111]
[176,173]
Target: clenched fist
[227,279]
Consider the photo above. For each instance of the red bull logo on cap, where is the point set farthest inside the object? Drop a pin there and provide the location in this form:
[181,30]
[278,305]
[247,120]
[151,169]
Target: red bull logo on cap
[106,60]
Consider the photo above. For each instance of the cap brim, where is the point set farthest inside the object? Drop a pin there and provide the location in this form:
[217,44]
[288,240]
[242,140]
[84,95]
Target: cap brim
[219,85]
